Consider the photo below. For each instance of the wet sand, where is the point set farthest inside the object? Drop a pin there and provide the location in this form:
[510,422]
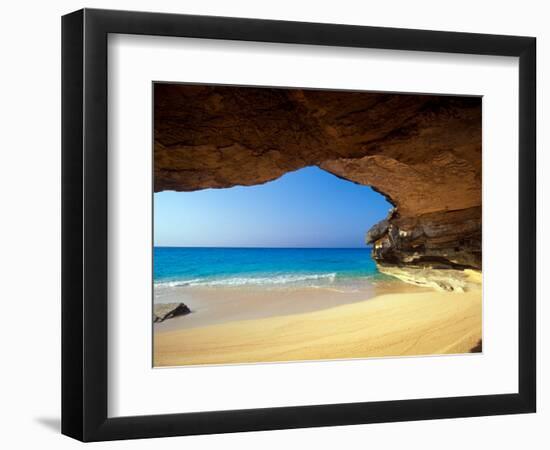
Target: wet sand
[215,305]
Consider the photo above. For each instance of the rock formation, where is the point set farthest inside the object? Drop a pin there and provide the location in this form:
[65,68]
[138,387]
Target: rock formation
[422,152]
[164,311]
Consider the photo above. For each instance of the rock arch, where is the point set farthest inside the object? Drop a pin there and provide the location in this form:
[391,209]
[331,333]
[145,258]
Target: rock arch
[423,152]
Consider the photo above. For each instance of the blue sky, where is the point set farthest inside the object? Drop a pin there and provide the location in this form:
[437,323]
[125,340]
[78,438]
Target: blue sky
[306,208]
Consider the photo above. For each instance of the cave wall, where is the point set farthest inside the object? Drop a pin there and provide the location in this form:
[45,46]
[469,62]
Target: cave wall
[423,152]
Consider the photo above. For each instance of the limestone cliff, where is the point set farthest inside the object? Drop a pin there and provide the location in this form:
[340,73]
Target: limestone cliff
[423,152]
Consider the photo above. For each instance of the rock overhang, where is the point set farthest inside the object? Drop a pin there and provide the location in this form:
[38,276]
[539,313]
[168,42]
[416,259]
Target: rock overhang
[422,152]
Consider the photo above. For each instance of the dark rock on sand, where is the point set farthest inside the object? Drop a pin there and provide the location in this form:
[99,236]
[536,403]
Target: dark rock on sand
[166,311]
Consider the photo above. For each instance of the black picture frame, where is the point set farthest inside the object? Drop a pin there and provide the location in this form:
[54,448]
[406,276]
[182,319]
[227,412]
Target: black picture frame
[84,224]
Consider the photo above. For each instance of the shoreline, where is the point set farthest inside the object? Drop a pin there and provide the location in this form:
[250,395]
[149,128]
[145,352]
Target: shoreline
[216,305]
[255,326]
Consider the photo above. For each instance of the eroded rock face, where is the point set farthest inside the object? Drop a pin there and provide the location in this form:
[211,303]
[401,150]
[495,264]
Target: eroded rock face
[422,152]
[443,239]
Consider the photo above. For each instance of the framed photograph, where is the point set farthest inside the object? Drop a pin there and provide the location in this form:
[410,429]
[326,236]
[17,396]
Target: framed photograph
[273,224]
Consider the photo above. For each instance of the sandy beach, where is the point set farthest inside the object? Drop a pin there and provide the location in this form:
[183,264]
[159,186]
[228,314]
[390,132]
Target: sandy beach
[398,320]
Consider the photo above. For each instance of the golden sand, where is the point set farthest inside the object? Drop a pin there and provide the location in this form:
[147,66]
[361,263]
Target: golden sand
[423,323]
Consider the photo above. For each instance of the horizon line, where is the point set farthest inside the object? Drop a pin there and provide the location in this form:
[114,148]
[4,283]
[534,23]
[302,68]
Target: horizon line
[271,248]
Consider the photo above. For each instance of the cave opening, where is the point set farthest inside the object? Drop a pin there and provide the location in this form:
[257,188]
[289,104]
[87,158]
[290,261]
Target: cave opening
[421,152]
[305,208]
[273,202]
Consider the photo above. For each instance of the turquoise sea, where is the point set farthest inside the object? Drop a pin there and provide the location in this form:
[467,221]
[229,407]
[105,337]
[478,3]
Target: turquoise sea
[269,267]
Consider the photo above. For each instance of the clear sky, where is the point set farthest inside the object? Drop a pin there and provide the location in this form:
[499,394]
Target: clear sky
[306,208]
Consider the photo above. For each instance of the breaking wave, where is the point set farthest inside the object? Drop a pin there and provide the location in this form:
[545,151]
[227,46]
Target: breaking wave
[307,279]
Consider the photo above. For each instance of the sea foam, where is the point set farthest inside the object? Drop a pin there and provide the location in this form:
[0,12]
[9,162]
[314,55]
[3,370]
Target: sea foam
[254,280]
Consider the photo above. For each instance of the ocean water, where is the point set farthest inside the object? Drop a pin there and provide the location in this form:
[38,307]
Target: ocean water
[266,267]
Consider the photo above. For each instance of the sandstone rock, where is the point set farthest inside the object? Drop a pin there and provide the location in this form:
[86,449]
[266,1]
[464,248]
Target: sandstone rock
[447,239]
[442,279]
[377,231]
[422,152]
